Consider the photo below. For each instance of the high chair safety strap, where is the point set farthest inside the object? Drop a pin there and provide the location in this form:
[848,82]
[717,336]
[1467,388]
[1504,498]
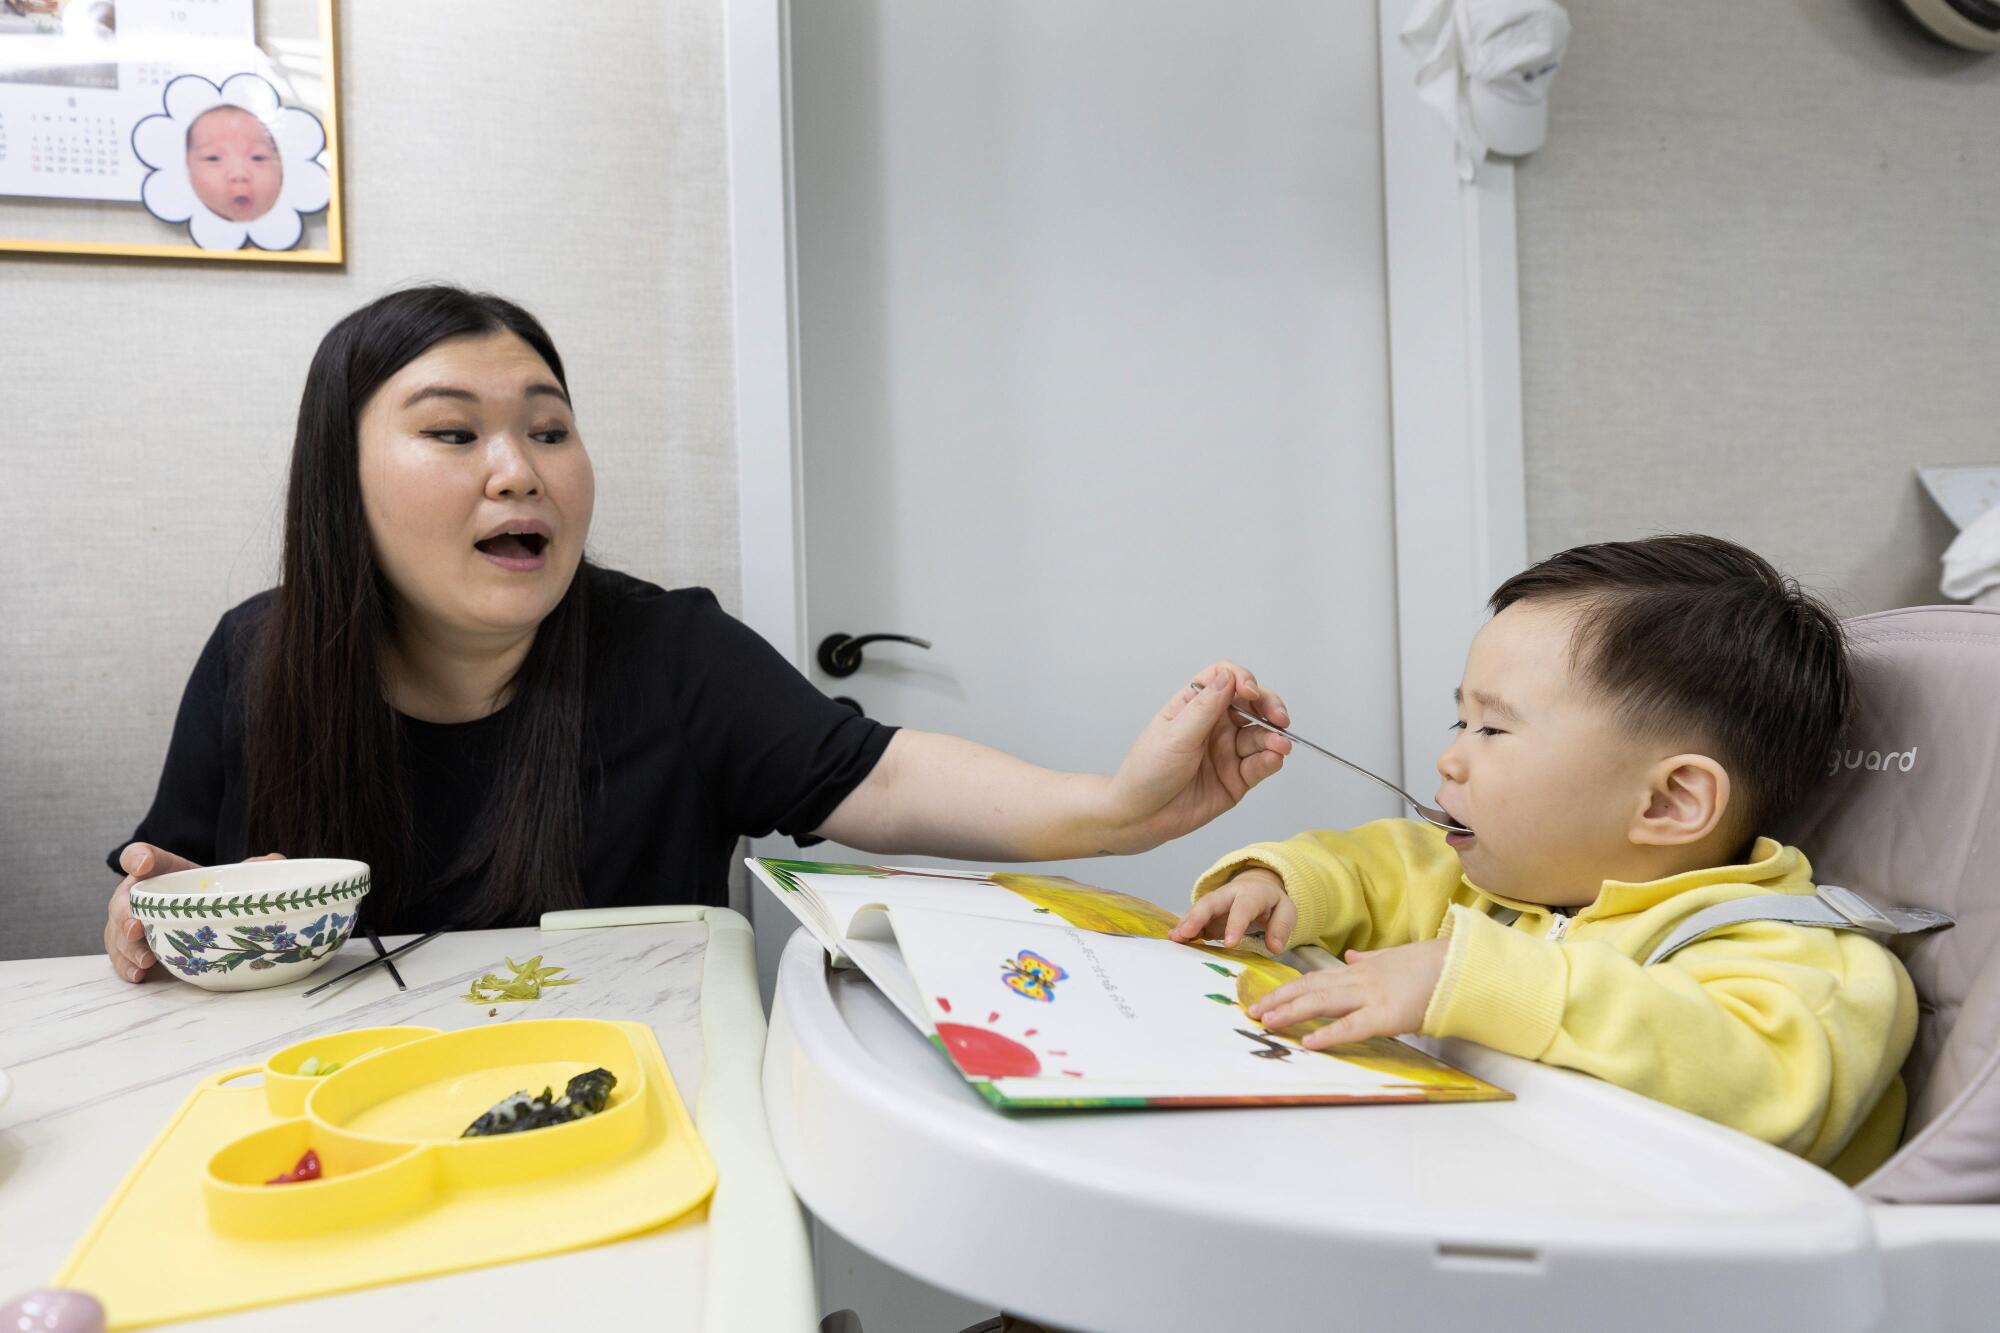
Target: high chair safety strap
[1832,906]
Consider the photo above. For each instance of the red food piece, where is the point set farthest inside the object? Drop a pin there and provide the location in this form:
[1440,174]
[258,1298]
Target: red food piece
[307,1168]
[986,1054]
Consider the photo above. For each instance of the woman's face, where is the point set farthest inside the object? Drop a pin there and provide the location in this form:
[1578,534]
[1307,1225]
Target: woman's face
[476,487]
[233,164]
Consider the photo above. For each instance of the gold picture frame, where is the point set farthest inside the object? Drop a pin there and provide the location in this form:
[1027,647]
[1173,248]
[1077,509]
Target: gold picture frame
[108,146]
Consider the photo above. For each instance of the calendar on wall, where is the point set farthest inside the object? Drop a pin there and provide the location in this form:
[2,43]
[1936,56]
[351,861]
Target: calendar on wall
[63,150]
[175,128]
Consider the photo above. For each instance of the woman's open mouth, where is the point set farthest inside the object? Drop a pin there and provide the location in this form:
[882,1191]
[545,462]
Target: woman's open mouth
[523,552]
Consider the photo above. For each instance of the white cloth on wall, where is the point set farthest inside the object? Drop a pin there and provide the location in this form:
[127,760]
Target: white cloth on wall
[1972,562]
[1486,68]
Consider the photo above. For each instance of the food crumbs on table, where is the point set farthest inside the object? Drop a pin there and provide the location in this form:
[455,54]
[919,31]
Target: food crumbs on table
[314,1067]
[307,1168]
[586,1095]
[530,979]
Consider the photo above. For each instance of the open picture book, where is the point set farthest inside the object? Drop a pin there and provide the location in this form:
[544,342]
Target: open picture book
[1050,994]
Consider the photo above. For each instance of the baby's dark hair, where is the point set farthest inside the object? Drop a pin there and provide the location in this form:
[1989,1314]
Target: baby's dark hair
[1693,635]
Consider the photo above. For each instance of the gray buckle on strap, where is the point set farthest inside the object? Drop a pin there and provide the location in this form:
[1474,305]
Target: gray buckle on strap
[1864,915]
[1832,907]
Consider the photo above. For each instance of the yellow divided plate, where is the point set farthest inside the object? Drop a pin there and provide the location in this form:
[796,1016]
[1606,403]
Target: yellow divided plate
[193,1230]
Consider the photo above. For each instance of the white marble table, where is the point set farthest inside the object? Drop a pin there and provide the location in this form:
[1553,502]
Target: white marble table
[98,1065]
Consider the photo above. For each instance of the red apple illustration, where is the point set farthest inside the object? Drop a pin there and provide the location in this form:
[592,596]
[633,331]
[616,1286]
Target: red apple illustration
[983,1053]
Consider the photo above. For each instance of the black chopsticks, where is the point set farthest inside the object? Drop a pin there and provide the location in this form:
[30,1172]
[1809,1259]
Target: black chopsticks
[376,940]
[378,961]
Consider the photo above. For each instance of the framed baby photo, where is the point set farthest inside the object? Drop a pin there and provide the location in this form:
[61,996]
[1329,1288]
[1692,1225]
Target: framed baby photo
[171,129]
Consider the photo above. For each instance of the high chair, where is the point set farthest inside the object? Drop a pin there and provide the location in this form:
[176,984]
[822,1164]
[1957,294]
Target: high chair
[1910,816]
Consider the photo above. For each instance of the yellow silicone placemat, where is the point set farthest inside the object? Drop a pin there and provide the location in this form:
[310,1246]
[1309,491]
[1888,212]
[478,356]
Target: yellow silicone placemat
[151,1256]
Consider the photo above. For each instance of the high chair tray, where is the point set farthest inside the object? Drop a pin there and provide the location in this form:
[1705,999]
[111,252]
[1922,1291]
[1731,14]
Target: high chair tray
[195,1229]
[1577,1205]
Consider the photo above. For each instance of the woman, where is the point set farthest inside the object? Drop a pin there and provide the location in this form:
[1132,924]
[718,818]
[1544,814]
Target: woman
[443,686]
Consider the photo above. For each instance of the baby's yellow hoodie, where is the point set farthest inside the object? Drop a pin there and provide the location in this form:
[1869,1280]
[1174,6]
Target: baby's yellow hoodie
[1791,1033]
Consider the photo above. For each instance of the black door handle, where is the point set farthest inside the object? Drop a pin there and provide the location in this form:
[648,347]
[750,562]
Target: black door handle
[840,654]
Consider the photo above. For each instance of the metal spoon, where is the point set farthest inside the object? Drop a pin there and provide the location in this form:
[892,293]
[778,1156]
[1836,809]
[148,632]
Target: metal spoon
[1428,813]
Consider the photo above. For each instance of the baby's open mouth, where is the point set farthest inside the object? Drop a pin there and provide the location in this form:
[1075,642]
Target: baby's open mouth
[514,545]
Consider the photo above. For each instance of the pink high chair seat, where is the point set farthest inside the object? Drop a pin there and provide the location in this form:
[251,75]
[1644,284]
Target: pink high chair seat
[1909,816]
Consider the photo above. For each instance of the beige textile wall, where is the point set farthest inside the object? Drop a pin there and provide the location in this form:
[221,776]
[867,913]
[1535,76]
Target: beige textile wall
[1760,283]
[573,159]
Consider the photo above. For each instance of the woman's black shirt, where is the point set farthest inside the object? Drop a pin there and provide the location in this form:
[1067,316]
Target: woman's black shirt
[697,732]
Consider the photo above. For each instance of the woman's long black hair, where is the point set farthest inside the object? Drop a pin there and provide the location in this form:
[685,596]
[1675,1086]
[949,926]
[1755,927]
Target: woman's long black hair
[322,742]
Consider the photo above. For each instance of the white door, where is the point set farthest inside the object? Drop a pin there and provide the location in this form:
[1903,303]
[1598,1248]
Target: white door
[1093,378]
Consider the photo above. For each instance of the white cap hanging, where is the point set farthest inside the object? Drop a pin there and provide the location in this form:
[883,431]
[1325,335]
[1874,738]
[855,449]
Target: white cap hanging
[1487,66]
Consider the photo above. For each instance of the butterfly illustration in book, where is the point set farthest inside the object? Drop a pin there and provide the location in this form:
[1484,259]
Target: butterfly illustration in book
[1028,973]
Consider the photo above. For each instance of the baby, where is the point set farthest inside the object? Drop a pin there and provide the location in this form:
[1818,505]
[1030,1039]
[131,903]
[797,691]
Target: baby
[233,163]
[1629,719]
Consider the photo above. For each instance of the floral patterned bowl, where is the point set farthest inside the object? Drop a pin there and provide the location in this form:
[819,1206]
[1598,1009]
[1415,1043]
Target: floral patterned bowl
[250,925]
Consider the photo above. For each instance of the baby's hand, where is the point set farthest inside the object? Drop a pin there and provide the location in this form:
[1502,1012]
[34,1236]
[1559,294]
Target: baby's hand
[1255,896]
[1380,993]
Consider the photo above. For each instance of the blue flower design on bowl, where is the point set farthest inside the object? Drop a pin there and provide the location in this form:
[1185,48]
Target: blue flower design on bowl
[259,947]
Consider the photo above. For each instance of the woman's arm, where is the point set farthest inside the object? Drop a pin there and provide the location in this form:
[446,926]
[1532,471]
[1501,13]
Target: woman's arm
[939,795]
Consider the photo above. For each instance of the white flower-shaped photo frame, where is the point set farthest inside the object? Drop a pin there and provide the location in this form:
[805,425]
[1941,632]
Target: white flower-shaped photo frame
[233,163]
